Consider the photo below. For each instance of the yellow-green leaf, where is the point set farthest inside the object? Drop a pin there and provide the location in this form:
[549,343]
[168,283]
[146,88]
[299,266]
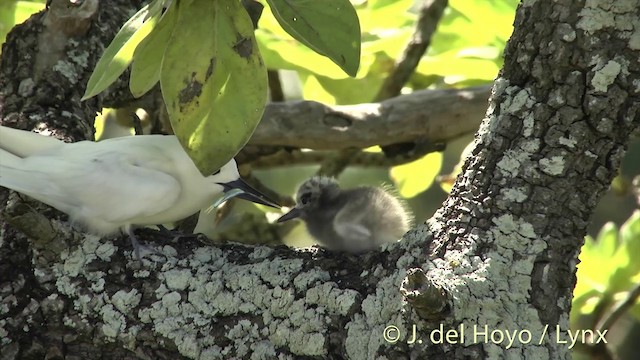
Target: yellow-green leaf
[119,53]
[329,27]
[415,177]
[213,80]
[147,59]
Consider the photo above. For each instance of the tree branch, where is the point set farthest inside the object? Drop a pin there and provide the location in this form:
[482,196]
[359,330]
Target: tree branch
[435,115]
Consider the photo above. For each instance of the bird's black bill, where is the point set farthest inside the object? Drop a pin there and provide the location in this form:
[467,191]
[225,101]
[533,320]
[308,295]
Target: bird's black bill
[239,188]
[294,213]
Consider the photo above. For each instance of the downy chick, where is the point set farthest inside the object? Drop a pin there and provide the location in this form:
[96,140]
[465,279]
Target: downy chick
[352,220]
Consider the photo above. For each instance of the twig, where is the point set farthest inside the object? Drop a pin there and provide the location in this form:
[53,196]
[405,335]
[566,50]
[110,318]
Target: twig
[607,322]
[334,165]
[275,86]
[430,13]
[362,158]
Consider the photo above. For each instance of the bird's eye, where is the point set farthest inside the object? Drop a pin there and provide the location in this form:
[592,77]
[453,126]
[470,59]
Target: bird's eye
[305,198]
[217,172]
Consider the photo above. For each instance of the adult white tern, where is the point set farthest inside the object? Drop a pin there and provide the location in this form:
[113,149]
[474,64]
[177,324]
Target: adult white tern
[115,184]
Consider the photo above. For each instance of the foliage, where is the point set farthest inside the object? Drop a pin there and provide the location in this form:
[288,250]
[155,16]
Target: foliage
[211,73]
[608,270]
[319,40]
[466,49]
[459,55]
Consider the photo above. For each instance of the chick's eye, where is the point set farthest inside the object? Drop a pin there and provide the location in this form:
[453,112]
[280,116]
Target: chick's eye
[305,198]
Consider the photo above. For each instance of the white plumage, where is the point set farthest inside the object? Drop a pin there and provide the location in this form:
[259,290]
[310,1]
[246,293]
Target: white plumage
[114,184]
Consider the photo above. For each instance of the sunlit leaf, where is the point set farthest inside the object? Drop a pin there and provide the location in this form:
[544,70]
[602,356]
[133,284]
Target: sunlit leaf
[608,265]
[119,53]
[213,82]
[147,59]
[626,255]
[594,270]
[415,177]
[329,27]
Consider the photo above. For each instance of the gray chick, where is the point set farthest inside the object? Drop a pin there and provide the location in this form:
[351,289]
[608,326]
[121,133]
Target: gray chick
[351,220]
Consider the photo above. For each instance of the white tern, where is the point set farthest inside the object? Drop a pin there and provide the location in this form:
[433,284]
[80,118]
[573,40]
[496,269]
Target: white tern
[351,220]
[115,184]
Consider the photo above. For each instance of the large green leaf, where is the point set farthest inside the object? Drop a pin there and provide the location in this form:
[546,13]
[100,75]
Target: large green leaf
[119,53]
[329,27]
[147,59]
[213,80]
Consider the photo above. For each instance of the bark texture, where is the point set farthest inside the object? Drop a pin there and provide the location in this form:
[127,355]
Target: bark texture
[501,252]
[558,123]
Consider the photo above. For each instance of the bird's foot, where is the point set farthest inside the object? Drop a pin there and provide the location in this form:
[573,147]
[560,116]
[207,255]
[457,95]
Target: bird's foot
[175,234]
[140,250]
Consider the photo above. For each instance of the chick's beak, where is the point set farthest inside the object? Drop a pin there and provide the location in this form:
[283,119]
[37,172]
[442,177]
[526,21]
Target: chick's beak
[292,214]
[239,188]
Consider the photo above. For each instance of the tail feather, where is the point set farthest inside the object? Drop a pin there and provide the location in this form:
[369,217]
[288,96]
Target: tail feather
[14,176]
[26,143]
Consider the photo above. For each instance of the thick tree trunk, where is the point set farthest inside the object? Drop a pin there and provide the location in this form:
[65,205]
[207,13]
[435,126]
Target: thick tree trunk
[497,261]
[559,120]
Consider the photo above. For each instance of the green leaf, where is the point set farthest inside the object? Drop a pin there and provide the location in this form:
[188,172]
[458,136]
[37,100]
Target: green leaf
[329,27]
[147,59]
[119,53]
[213,80]
[415,177]
[282,53]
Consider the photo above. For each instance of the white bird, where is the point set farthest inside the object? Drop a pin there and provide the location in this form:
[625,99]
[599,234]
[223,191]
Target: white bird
[115,184]
[352,220]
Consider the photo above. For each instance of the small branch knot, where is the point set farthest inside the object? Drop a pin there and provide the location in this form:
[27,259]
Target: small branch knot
[427,298]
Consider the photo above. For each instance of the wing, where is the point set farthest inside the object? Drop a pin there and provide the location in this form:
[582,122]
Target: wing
[348,222]
[88,181]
